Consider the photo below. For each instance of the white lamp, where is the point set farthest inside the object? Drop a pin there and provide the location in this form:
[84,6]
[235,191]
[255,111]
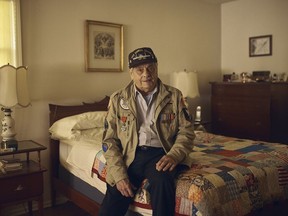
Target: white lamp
[187,83]
[13,93]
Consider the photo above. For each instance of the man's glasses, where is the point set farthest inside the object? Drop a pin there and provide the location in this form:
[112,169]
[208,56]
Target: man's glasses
[149,68]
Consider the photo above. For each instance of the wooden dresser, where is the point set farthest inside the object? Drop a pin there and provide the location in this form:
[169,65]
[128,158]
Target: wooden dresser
[250,110]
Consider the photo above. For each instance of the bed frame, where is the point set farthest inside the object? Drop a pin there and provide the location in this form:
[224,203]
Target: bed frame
[57,186]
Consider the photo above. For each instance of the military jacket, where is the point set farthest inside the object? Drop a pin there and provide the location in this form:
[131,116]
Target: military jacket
[173,123]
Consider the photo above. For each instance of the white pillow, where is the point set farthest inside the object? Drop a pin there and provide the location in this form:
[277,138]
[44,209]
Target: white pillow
[66,128]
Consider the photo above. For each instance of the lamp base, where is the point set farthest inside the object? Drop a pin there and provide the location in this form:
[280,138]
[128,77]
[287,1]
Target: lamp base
[11,145]
[9,141]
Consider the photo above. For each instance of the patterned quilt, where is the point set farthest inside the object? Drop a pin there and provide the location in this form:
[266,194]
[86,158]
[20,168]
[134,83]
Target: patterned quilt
[229,176]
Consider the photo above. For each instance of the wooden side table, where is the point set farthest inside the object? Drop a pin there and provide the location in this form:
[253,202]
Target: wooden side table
[26,184]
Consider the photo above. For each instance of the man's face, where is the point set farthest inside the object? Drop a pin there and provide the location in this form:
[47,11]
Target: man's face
[145,77]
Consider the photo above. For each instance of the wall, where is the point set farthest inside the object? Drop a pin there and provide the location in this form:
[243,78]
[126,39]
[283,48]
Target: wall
[183,34]
[248,18]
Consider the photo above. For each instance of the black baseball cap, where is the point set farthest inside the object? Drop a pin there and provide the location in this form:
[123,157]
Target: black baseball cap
[141,56]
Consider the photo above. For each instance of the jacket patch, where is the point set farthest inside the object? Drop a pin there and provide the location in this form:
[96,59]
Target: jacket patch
[124,104]
[104,147]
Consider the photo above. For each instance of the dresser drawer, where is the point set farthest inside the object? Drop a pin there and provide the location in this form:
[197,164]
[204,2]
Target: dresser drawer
[242,127]
[241,90]
[241,106]
[22,187]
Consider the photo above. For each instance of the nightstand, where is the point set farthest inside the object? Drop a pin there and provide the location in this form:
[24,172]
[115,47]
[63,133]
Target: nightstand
[26,184]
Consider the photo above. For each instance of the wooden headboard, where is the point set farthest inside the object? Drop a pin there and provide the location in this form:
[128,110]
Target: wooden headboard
[58,112]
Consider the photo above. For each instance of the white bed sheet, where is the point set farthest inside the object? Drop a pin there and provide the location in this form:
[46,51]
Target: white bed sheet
[68,147]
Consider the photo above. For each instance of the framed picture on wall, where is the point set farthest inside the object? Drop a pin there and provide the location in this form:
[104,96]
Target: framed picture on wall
[103,46]
[260,46]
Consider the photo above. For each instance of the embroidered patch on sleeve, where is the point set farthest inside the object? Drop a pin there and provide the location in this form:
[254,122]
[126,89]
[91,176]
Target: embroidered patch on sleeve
[104,147]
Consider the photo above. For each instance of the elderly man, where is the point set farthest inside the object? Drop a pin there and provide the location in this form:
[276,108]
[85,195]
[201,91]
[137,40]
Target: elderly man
[149,135]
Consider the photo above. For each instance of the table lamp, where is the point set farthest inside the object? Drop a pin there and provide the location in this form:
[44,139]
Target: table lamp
[13,93]
[187,83]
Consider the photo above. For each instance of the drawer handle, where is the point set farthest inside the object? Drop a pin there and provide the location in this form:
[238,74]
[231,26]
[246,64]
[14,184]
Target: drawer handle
[19,188]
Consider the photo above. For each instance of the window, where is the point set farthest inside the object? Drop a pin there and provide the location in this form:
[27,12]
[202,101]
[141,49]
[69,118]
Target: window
[10,33]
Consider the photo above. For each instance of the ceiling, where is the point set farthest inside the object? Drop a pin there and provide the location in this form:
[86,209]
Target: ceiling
[217,1]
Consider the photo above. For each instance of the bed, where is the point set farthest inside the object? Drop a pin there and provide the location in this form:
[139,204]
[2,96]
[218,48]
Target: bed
[229,176]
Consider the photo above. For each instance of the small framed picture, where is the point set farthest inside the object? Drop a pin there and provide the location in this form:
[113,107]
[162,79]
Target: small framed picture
[260,46]
[103,46]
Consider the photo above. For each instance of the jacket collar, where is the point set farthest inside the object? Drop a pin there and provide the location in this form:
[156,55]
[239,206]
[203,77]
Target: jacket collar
[163,96]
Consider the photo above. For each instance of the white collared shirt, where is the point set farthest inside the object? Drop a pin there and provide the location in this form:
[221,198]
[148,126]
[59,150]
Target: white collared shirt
[146,122]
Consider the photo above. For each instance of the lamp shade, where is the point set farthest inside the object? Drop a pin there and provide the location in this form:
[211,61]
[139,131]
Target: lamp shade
[186,82]
[13,86]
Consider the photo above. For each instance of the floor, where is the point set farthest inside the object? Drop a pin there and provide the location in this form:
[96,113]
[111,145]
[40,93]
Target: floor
[66,209]
[69,209]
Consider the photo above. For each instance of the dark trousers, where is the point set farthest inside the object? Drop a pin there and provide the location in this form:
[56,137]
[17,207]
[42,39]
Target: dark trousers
[161,186]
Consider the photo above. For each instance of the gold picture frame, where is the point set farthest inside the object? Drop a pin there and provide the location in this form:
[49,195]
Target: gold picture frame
[103,46]
[260,46]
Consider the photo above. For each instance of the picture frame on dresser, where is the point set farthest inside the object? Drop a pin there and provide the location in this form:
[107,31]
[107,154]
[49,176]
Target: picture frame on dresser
[260,46]
[103,46]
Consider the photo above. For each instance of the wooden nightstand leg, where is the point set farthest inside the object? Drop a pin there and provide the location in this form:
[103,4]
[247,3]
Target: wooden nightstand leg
[40,205]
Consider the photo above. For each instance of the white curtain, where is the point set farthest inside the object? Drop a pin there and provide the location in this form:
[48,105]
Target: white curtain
[10,33]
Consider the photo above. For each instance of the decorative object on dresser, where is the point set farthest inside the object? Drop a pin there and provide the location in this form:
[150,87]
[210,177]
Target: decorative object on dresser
[230,77]
[13,93]
[23,180]
[250,110]
[261,76]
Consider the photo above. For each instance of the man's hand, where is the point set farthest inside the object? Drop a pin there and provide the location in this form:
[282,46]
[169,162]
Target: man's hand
[166,163]
[125,187]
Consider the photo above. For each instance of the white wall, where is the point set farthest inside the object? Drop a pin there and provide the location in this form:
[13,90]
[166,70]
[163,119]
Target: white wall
[183,34]
[248,18]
